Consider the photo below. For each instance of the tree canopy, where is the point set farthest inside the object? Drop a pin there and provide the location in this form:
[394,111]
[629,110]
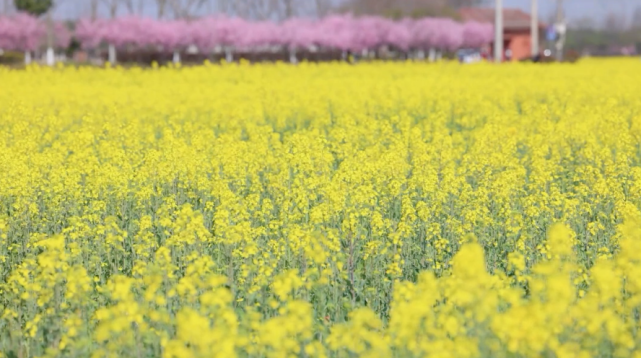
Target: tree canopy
[34,7]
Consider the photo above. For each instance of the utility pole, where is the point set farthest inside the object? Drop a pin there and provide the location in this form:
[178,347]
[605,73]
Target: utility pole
[560,30]
[498,31]
[534,28]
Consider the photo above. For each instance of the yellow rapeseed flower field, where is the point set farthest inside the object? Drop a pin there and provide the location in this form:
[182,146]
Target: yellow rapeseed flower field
[321,210]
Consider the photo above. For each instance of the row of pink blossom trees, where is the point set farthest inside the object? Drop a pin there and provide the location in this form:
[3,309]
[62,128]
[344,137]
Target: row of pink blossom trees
[212,34]
[26,33]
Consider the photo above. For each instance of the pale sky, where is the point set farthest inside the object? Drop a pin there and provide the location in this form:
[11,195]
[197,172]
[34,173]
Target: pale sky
[578,9]
[575,9]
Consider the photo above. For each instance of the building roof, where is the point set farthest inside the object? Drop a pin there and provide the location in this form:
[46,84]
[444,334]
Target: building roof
[512,18]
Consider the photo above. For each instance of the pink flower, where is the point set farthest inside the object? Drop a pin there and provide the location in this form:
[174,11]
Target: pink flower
[21,32]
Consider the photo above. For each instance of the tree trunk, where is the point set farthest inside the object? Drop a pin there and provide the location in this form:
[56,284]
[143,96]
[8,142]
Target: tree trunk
[322,7]
[50,57]
[113,9]
[292,56]
[289,9]
[432,56]
[161,8]
[112,54]
[229,55]
[94,9]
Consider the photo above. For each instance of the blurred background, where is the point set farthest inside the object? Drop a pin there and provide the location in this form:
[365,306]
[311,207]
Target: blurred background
[566,28]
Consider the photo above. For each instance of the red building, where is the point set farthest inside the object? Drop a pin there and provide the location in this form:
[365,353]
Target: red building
[517,38]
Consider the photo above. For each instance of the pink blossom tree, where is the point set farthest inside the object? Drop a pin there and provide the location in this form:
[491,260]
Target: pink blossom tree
[436,35]
[171,36]
[121,33]
[263,34]
[211,33]
[449,34]
[90,33]
[21,32]
[476,34]
[204,34]
[338,32]
[299,33]
[423,36]
[369,32]
[231,35]
[62,35]
[399,34]
[8,33]
[341,32]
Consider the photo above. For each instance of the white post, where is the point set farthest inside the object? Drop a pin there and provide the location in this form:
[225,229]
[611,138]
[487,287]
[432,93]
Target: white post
[50,57]
[176,58]
[27,57]
[534,28]
[432,56]
[498,31]
[229,56]
[112,54]
[292,56]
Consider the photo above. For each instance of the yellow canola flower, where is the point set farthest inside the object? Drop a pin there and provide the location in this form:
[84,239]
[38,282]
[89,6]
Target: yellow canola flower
[382,209]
